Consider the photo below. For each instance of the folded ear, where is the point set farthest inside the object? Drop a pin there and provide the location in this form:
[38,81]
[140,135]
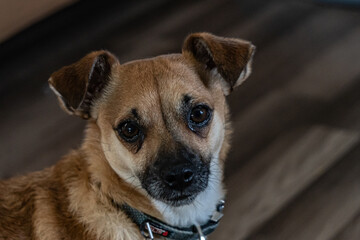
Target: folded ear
[224,59]
[80,84]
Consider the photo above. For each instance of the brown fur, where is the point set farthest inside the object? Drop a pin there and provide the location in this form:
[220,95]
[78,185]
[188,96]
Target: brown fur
[78,198]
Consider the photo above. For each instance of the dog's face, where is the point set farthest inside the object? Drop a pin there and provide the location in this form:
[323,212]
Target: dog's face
[167,125]
[162,120]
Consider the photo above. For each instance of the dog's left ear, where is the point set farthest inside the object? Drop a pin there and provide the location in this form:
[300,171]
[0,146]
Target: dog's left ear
[225,59]
[80,84]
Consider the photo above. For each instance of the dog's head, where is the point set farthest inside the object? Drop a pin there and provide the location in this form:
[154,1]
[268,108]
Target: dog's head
[161,120]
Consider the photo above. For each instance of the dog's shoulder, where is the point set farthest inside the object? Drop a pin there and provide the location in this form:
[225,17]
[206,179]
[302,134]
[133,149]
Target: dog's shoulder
[37,205]
[18,198]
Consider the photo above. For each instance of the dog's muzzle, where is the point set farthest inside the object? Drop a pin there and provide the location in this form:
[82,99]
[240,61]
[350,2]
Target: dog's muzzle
[176,178]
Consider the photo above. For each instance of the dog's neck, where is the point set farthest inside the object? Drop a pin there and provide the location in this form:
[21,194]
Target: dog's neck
[105,179]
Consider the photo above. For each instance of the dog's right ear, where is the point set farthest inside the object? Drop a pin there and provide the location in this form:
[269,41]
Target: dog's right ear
[80,84]
[227,60]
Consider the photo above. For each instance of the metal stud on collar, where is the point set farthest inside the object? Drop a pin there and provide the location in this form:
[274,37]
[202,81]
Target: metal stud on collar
[216,217]
[218,214]
[150,234]
[201,235]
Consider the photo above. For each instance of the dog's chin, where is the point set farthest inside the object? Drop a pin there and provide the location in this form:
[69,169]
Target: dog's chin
[181,200]
[173,197]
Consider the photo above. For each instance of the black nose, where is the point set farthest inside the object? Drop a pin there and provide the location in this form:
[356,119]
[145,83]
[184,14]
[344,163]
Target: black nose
[178,177]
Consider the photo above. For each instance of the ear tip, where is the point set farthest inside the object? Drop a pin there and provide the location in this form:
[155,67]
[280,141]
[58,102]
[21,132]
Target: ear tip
[252,48]
[52,87]
[50,81]
[199,34]
[196,35]
[252,51]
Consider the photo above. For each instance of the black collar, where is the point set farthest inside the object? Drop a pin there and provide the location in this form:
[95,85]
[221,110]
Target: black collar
[150,226]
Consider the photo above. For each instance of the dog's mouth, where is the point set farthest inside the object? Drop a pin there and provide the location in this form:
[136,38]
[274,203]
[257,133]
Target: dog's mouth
[174,198]
[181,197]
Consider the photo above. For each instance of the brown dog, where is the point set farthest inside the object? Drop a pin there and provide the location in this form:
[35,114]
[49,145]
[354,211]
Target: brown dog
[151,163]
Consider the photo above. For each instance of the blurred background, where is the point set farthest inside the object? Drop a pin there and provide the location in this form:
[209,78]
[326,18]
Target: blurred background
[294,168]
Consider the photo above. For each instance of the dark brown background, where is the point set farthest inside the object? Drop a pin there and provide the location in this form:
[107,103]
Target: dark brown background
[294,169]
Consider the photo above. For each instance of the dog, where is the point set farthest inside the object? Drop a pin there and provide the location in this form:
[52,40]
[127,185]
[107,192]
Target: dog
[151,163]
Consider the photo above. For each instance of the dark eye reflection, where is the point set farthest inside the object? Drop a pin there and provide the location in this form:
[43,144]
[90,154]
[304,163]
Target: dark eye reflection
[199,116]
[129,131]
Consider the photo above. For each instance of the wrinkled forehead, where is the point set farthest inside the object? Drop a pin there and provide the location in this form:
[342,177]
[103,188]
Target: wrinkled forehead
[151,87]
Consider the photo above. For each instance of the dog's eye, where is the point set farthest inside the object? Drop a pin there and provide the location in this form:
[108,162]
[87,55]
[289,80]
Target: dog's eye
[199,116]
[129,131]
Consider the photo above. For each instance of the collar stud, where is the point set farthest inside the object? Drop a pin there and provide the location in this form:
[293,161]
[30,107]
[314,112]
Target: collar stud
[201,235]
[150,234]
